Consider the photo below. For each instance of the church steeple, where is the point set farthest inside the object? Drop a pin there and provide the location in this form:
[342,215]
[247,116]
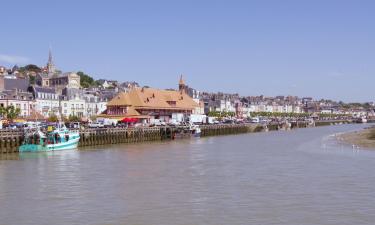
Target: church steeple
[50,66]
[50,56]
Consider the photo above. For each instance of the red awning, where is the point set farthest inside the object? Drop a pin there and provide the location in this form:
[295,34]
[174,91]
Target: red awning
[129,120]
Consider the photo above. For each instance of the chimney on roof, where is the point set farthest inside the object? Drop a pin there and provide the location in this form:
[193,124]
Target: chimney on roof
[181,82]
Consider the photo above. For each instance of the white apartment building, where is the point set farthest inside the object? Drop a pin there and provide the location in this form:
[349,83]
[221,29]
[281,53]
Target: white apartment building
[225,106]
[74,107]
[46,100]
[95,105]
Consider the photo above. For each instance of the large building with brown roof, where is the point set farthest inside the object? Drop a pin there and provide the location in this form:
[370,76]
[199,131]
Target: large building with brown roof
[150,103]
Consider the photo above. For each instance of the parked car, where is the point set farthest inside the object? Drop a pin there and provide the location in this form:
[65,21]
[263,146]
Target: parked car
[107,122]
[74,125]
[157,122]
[96,125]
[174,123]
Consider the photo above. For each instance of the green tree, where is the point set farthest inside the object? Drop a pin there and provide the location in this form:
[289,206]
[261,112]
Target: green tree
[65,119]
[32,79]
[12,112]
[2,111]
[53,118]
[86,80]
[32,67]
[73,118]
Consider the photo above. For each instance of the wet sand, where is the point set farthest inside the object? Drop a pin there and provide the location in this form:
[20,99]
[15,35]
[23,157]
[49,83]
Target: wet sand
[359,138]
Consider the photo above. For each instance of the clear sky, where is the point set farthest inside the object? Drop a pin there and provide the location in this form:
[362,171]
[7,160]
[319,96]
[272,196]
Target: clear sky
[318,48]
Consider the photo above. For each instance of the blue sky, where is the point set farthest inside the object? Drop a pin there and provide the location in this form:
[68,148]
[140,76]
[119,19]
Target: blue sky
[323,49]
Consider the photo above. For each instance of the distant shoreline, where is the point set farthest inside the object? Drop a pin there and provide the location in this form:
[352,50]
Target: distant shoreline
[359,138]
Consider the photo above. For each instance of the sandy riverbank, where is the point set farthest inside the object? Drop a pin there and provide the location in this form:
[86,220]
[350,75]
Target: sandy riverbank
[359,138]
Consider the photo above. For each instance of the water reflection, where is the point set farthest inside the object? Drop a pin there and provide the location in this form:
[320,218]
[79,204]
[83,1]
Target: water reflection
[9,156]
[295,177]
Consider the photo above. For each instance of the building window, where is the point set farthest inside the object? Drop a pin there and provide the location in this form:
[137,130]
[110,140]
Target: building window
[172,103]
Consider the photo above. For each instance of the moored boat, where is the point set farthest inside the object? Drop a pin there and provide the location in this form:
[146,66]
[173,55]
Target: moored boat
[362,119]
[54,139]
[195,130]
[187,132]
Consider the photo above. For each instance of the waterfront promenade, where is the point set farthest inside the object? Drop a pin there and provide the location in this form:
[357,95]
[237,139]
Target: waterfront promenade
[10,140]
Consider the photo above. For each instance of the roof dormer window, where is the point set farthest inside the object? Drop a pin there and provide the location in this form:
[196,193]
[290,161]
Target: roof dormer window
[172,103]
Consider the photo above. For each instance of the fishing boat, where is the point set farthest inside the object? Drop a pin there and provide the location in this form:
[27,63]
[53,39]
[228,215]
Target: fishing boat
[363,119]
[53,139]
[187,132]
[195,130]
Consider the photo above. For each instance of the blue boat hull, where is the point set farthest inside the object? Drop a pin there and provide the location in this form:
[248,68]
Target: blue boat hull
[71,144]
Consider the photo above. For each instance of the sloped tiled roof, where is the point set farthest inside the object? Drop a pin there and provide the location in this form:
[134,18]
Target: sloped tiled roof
[44,89]
[132,112]
[120,99]
[20,84]
[155,99]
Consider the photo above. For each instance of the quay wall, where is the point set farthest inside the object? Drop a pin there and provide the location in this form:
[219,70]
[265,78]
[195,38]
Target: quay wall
[10,140]
[212,130]
[330,122]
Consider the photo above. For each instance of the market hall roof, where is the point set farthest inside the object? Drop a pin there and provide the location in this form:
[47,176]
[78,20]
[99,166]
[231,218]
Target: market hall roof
[143,98]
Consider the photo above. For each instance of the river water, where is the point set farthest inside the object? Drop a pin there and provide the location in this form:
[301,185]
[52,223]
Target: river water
[288,177]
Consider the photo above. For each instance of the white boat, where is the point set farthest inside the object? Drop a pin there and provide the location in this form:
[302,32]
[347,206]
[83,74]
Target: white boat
[195,130]
[362,120]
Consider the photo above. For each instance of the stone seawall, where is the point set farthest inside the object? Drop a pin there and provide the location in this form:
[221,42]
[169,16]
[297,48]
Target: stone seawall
[212,130]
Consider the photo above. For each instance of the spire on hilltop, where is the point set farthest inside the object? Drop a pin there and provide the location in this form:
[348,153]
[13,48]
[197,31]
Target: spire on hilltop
[50,61]
[50,66]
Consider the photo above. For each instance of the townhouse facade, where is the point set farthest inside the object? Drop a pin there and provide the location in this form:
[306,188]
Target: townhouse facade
[18,99]
[46,100]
